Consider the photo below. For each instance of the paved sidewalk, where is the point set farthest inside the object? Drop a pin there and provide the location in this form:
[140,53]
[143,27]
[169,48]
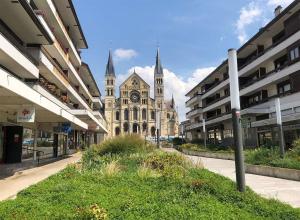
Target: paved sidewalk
[10,186]
[286,191]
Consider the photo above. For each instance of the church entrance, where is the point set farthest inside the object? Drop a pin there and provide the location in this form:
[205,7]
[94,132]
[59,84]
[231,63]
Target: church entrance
[117,131]
[153,131]
[135,128]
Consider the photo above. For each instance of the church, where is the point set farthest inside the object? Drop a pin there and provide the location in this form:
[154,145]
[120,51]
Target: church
[135,111]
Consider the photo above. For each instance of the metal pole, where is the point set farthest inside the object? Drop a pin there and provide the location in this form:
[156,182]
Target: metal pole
[280,129]
[36,132]
[236,119]
[204,131]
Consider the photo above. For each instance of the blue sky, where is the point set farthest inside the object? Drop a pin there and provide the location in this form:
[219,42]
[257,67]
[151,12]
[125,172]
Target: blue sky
[193,36]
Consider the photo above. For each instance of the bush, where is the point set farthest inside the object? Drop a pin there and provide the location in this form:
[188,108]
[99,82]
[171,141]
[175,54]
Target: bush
[271,157]
[168,165]
[123,144]
[94,212]
[178,141]
[190,146]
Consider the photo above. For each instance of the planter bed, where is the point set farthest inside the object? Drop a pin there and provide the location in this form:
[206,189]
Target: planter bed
[224,156]
[278,172]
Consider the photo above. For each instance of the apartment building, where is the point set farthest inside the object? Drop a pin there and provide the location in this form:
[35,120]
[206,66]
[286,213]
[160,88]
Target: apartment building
[44,84]
[269,67]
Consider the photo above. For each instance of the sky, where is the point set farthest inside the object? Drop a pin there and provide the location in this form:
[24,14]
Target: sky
[193,37]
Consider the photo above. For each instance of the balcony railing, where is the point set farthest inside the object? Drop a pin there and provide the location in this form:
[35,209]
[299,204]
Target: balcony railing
[197,95]
[269,73]
[216,100]
[217,116]
[266,50]
[193,110]
[9,35]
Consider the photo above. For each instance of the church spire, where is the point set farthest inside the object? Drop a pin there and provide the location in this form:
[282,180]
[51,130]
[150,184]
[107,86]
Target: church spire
[110,69]
[158,66]
[172,103]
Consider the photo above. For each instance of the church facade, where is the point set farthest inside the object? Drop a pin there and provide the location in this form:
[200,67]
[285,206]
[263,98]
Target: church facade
[135,111]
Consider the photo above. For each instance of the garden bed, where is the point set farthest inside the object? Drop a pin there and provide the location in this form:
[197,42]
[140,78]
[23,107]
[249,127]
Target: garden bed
[272,171]
[139,184]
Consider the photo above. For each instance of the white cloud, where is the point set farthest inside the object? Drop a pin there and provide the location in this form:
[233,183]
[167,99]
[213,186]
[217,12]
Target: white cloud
[124,54]
[258,12]
[174,84]
[248,15]
[283,3]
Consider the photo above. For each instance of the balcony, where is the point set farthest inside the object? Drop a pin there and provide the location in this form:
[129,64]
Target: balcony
[194,99]
[55,74]
[194,112]
[46,110]
[51,15]
[15,57]
[269,52]
[271,77]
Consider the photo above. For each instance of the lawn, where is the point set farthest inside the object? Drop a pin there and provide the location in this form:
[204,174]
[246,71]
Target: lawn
[139,184]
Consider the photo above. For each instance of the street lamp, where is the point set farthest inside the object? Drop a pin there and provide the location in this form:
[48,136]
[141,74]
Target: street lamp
[236,119]
[280,129]
[158,128]
[204,131]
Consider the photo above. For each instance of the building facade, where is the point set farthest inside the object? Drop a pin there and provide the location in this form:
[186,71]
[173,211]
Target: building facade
[135,111]
[44,84]
[269,68]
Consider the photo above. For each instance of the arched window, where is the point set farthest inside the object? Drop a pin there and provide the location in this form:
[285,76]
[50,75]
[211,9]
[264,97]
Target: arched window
[144,114]
[126,114]
[135,114]
[168,116]
[117,115]
[125,127]
[152,115]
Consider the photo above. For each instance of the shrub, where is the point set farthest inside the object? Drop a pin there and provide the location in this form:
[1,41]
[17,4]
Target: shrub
[178,141]
[145,172]
[94,212]
[123,144]
[168,165]
[111,169]
[190,146]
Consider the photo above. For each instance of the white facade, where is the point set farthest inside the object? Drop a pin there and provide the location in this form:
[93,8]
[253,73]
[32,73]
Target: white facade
[40,67]
[269,68]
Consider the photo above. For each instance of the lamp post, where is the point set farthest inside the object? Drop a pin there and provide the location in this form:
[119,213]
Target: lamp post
[280,129]
[236,119]
[204,131]
[158,128]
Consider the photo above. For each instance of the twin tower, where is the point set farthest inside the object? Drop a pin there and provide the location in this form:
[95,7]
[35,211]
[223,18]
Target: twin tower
[135,111]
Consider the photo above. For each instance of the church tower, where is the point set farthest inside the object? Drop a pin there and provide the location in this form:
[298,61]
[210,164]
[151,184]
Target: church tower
[158,83]
[110,80]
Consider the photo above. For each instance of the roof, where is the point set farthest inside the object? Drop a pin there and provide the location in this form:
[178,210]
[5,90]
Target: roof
[134,74]
[158,67]
[85,65]
[110,69]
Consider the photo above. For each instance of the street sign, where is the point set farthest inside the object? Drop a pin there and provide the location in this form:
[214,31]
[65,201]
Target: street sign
[26,114]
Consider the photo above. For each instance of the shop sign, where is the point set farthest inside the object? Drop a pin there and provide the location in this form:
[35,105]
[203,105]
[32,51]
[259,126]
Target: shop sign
[26,114]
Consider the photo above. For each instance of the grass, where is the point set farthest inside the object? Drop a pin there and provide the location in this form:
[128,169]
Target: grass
[142,184]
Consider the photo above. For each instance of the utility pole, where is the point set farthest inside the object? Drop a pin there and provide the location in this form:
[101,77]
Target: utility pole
[236,119]
[280,128]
